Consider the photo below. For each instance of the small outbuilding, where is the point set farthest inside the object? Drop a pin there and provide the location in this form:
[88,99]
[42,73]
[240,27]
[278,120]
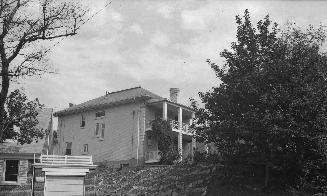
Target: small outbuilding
[64,175]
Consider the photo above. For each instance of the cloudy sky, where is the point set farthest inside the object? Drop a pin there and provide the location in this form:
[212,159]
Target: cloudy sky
[153,44]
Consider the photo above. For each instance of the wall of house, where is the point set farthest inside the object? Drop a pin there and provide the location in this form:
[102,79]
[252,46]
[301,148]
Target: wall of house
[120,138]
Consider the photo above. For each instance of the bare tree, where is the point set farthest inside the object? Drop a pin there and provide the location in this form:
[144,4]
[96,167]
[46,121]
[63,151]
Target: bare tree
[24,25]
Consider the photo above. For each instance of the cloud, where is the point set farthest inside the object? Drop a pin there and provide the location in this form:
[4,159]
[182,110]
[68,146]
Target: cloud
[136,29]
[160,39]
[198,19]
[174,40]
[166,10]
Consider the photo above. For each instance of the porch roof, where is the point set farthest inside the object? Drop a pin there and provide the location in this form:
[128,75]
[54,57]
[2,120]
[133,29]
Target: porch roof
[171,103]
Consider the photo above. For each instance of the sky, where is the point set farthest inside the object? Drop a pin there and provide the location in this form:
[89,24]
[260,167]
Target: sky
[154,44]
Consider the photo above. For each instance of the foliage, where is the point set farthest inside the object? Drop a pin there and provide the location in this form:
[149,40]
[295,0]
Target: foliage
[167,141]
[25,24]
[271,105]
[204,157]
[21,113]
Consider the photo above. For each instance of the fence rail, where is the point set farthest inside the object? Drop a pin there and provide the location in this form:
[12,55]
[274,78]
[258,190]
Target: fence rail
[65,160]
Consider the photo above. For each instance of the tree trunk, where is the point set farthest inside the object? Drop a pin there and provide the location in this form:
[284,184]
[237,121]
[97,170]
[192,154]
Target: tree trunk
[4,86]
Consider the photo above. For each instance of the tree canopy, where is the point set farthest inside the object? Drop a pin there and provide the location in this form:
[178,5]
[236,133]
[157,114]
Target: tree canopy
[22,115]
[271,104]
[24,25]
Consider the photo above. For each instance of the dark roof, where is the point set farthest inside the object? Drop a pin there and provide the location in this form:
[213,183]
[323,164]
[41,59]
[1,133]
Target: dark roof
[110,99]
[45,122]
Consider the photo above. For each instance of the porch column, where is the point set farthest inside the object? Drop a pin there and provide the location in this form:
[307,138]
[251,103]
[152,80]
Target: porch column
[193,146]
[164,110]
[180,135]
[141,150]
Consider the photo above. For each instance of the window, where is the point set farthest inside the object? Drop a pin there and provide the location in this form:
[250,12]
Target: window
[83,121]
[102,130]
[100,114]
[11,173]
[85,148]
[99,130]
[68,148]
[97,127]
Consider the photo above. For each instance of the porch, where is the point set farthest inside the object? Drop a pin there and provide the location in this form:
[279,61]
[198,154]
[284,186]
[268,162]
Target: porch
[180,117]
[152,153]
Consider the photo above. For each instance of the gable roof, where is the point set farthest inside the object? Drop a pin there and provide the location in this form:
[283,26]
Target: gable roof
[45,122]
[113,98]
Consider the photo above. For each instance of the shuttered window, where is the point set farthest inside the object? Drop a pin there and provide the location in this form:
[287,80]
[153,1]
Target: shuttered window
[82,121]
[97,128]
[102,130]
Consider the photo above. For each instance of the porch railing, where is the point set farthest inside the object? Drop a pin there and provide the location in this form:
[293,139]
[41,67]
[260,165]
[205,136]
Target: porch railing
[153,155]
[65,160]
[175,125]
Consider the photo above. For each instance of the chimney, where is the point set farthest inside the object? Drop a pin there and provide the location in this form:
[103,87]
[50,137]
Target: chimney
[71,105]
[174,94]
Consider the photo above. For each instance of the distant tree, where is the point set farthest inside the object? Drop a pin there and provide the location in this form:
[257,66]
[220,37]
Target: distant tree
[22,114]
[25,24]
[271,105]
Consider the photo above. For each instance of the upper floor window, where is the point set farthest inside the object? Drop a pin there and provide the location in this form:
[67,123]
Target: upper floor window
[82,121]
[100,114]
[85,148]
[102,130]
[99,130]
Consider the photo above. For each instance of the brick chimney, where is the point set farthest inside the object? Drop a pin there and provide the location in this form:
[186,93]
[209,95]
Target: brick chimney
[71,105]
[174,94]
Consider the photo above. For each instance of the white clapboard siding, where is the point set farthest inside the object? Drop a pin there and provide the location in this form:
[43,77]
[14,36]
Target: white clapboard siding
[23,169]
[2,165]
[64,185]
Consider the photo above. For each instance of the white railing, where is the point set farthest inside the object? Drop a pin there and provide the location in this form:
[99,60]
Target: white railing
[153,155]
[175,125]
[65,160]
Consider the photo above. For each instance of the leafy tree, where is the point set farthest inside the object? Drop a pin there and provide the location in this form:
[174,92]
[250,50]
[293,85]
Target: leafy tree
[21,113]
[25,24]
[167,141]
[271,105]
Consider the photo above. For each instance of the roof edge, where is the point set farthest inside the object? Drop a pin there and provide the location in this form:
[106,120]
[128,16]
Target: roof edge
[99,106]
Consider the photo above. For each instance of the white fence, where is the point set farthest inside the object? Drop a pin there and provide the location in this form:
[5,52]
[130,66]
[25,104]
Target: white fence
[65,160]
[152,156]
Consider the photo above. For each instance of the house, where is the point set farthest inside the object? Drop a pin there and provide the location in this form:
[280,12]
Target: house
[16,160]
[116,127]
